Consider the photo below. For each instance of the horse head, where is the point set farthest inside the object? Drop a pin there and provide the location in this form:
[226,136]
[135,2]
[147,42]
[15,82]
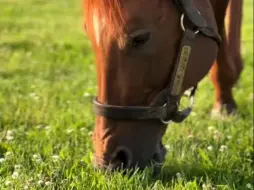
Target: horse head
[148,52]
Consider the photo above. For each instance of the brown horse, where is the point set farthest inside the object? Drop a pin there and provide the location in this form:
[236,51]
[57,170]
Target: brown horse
[145,59]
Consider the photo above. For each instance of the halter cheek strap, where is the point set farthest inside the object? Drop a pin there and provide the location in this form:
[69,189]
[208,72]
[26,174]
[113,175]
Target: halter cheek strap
[175,85]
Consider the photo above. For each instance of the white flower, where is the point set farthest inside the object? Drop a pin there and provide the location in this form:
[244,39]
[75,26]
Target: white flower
[39,126]
[40,182]
[47,128]
[229,137]
[223,148]
[37,158]
[178,175]
[86,94]
[18,167]
[30,180]
[210,148]
[64,181]
[90,133]
[8,155]
[190,136]
[15,175]
[207,187]
[167,146]
[193,114]
[7,182]
[211,128]
[2,160]
[82,129]
[9,138]
[68,131]
[34,96]
[249,186]
[55,158]
[9,133]
[48,183]
[38,161]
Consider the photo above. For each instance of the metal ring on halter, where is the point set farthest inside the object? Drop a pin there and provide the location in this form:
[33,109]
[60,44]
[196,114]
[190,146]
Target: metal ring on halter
[163,121]
[166,122]
[182,24]
[192,101]
[169,121]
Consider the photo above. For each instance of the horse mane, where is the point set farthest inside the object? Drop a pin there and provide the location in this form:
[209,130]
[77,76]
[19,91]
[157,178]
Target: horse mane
[111,10]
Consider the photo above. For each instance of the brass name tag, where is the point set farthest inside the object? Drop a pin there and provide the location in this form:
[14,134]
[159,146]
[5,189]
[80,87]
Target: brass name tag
[178,81]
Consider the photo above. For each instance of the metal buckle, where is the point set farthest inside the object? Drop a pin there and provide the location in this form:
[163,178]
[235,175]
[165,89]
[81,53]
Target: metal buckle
[182,24]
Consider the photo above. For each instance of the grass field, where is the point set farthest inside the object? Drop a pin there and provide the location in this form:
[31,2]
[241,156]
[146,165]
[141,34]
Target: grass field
[47,78]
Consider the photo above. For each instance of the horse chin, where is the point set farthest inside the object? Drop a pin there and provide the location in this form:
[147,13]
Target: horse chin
[158,158]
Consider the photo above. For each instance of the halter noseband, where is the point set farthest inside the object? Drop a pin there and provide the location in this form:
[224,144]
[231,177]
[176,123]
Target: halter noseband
[165,108]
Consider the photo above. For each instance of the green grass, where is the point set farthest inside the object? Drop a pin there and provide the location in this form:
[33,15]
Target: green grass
[47,77]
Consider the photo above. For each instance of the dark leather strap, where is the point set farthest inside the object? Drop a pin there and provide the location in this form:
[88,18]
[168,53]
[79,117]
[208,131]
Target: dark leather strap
[126,112]
[176,81]
[209,32]
[188,8]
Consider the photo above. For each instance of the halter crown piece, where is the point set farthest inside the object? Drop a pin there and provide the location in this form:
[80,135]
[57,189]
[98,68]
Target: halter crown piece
[165,108]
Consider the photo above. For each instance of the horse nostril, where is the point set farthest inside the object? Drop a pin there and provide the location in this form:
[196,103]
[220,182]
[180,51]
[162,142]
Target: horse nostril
[121,158]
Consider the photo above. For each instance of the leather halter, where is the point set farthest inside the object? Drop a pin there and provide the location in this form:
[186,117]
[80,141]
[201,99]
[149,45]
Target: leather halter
[165,108]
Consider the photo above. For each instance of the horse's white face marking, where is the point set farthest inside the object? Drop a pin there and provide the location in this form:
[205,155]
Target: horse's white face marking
[98,25]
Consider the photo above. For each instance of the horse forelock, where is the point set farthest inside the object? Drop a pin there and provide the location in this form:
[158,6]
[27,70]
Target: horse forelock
[100,13]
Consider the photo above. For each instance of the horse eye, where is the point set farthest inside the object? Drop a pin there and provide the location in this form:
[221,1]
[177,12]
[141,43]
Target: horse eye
[140,39]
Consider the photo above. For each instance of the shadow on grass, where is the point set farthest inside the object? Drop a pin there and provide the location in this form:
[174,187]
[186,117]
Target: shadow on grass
[14,73]
[170,175]
[24,45]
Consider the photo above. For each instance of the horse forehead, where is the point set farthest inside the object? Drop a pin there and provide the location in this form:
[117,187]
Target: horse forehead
[98,25]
